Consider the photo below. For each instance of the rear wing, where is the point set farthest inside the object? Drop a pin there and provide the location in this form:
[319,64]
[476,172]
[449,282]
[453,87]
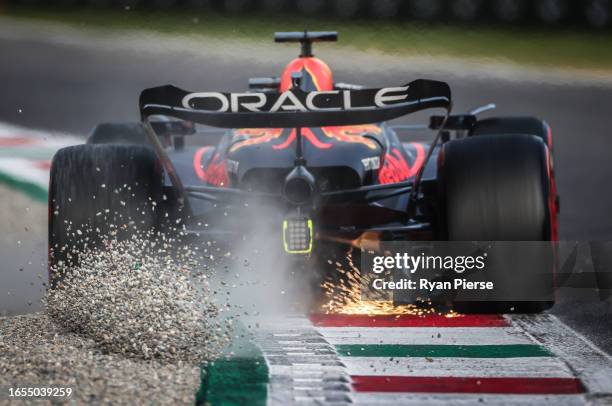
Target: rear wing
[295,108]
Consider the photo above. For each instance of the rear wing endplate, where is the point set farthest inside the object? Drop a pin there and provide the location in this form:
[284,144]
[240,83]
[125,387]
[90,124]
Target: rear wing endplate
[295,108]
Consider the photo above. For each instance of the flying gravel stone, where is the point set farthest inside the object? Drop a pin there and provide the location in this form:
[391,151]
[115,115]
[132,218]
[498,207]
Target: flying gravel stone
[127,306]
[139,299]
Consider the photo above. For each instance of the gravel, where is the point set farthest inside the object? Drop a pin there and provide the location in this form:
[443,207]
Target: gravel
[141,298]
[36,351]
[133,322]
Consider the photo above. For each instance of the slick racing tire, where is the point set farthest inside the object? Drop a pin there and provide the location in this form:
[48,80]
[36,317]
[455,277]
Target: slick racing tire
[96,190]
[522,125]
[497,188]
[514,125]
[118,133]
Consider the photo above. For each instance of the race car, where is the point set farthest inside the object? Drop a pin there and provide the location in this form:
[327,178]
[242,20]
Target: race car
[323,160]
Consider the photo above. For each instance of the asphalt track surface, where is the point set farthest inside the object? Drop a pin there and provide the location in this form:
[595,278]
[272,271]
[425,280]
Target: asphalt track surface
[64,87]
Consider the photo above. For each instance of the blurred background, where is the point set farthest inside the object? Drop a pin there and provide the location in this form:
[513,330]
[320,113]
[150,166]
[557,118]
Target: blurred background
[592,13]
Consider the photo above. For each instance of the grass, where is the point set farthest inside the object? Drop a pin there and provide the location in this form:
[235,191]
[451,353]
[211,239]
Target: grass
[527,45]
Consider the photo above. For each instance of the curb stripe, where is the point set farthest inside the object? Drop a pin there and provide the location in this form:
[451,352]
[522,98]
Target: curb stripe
[16,141]
[405,320]
[25,156]
[467,385]
[444,351]
[234,381]
[35,191]
[530,367]
[239,376]
[466,399]
[303,367]
[425,335]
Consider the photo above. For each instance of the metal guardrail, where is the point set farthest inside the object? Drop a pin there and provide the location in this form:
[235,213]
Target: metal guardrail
[594,13]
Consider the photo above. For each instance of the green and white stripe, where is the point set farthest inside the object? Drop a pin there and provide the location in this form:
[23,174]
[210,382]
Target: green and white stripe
[25,156]
[530,360]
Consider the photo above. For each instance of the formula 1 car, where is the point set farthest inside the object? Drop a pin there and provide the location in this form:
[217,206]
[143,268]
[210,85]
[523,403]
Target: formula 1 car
[320,156]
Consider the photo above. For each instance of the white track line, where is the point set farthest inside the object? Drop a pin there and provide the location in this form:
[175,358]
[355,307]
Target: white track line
[456,399]
[533,367]
[425,335]
[24,170]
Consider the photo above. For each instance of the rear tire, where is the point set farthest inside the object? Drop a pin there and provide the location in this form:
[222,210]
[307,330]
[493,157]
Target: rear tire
[496,188]
[118,133]
[515,125]
[525,126]
[95,190]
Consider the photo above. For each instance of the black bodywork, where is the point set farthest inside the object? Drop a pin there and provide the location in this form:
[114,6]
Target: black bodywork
[350,198]
[329,156]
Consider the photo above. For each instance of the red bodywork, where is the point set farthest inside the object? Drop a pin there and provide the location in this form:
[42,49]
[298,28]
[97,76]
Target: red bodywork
[396,165]
[316,74]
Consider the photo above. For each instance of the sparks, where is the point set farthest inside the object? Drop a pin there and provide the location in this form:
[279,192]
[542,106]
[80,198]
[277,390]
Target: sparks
[345,296]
